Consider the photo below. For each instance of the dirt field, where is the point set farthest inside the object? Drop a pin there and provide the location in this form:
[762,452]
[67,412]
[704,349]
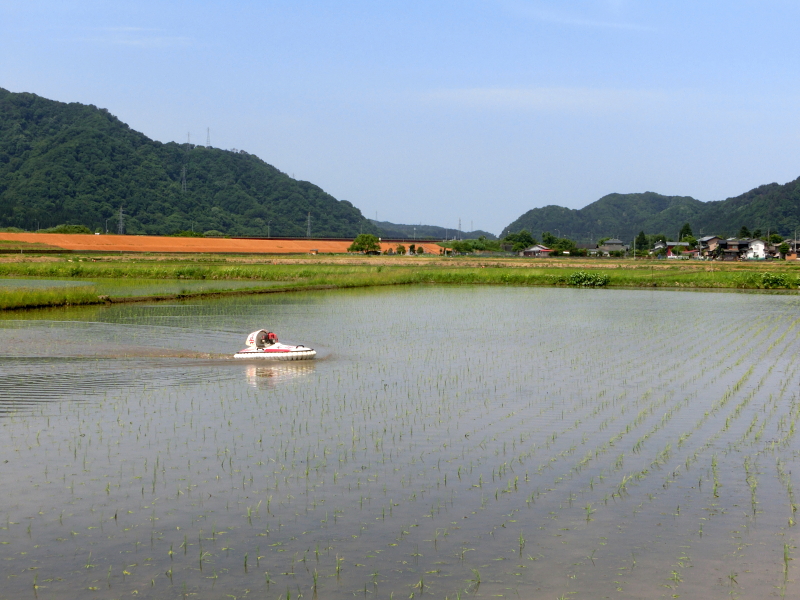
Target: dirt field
[140,243]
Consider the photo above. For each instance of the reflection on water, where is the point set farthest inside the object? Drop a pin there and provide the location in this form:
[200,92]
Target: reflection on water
[267,376]
[527,443]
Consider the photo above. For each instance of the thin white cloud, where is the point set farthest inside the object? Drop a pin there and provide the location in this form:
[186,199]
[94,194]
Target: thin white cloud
[553,99]
[125,39]
[142,37]
[573,18]
[128,29]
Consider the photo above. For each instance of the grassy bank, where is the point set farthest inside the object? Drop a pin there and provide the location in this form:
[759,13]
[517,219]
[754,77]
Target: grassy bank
[37,298]
[304,275]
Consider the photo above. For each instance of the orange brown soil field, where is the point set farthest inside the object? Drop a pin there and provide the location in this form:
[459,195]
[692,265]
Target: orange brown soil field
[141,243]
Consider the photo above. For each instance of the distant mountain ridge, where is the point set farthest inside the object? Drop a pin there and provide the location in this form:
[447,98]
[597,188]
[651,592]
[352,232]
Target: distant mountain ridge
[771,207]
[77,164]
[401,231]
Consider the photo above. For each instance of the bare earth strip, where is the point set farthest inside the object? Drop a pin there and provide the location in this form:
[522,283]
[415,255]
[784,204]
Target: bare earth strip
[140,243]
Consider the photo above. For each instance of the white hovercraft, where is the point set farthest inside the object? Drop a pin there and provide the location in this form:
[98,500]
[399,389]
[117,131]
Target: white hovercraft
[263,344]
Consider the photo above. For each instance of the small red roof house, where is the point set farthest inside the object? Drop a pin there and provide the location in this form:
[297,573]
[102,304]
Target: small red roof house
[537,251]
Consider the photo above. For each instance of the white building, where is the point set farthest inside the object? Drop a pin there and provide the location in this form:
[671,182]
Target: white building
[757,249]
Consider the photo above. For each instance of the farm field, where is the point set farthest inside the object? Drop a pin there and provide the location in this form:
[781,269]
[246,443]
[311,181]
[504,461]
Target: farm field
[152,243]
[451,441]
[118,278]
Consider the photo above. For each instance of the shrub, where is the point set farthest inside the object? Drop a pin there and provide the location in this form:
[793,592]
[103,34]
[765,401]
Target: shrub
[584,279]
[67,229]
[775,280]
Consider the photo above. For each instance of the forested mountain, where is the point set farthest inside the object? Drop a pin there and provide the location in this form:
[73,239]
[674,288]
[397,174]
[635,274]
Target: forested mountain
[770,207]
[77,164]
[400,231]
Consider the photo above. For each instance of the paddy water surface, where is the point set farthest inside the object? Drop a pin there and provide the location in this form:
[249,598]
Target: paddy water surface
[523,442]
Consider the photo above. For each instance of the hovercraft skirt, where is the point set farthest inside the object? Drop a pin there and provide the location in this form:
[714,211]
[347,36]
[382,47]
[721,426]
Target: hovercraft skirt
[295,355]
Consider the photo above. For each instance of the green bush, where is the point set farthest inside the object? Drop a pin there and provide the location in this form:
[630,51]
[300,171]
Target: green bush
[584,279]
[67,229]
[775,280]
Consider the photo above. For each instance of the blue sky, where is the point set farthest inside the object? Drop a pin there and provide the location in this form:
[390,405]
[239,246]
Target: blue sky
[439,110]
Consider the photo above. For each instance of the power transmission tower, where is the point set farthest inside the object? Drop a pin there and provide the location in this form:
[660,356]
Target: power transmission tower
[208,137]
[183,179]
[308,230]
[121,225]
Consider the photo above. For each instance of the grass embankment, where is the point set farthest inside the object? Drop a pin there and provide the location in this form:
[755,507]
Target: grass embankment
[648,274]
[38,298]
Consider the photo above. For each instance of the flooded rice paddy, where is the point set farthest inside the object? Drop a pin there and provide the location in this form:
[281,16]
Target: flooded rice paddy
[450,442]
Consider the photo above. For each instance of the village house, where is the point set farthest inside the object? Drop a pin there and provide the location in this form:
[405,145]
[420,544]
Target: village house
[673,249]
[758,250]
[611,245]
[708,244]
[536,251]
[591,249]
[733,249]
[794,247]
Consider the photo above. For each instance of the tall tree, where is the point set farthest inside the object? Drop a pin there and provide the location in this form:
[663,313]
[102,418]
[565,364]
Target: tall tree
[744,232]
[686,231]
[520,241]
[641,241]
[365,242]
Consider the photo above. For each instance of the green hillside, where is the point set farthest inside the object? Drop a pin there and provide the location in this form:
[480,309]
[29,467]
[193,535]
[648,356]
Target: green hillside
[770,207]
[77,164]
[401,231]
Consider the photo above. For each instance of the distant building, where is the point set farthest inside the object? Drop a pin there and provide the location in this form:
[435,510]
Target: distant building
[733,248]
[757,250]
[673,248]
[708,244]
[612,245]
[536,251]
[591,249]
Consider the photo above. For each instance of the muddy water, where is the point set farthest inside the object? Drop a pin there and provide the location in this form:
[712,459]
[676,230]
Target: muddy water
[485,441]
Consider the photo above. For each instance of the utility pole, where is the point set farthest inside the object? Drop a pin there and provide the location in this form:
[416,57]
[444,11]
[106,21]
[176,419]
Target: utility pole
[269,226]
[308,231]
[121,225]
